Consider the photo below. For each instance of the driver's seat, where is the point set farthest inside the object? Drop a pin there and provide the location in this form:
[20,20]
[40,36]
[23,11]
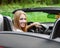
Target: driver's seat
[56,30]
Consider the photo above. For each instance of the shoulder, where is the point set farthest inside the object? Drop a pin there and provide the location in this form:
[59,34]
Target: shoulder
[17,30]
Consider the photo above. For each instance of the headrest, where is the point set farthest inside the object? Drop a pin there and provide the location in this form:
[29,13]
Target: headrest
[1,22]
[9,18]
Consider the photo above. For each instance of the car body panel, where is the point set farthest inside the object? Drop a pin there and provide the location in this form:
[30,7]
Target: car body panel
[26,40]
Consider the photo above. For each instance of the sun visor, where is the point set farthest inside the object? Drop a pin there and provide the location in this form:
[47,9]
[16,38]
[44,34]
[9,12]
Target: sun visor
[1,22]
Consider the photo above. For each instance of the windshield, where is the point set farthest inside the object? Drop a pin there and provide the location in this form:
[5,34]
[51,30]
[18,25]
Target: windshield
[39,17]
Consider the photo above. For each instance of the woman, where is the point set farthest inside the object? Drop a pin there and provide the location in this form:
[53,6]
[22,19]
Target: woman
[20,21]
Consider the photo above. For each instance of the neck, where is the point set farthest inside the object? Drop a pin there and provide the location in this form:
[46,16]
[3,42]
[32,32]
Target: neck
[23,28]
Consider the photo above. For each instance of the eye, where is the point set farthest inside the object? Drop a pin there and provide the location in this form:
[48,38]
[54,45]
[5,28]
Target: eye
[21,18]
[24,18]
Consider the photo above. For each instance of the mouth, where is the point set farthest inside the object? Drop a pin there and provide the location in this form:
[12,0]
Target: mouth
[22,24]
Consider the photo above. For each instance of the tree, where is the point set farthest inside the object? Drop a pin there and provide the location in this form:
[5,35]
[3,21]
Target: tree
[0,2]
[56,1]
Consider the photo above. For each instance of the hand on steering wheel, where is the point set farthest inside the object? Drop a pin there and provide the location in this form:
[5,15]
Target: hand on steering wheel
[38,28]
[36,24]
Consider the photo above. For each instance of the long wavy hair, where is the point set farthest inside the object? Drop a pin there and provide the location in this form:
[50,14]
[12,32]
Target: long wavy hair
[17,15]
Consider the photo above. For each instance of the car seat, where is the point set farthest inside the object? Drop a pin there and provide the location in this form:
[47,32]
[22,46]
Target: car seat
[7,24]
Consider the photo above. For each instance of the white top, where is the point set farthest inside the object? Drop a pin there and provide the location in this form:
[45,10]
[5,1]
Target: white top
[17,30]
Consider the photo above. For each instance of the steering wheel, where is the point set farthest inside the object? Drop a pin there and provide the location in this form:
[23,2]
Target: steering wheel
[32,29]
[41,29]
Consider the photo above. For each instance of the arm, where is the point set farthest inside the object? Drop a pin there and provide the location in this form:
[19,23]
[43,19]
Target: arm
[33,24]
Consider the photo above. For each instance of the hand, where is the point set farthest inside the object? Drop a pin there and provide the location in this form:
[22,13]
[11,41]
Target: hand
[36,24]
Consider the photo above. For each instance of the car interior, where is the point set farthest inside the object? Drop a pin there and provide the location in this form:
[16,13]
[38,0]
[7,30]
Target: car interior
[55,28]
[43,30]
[46,27]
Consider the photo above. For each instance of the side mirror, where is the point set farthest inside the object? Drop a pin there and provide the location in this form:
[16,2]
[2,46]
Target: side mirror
[53,16]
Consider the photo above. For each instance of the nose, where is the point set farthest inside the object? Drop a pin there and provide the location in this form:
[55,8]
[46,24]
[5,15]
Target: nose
[23,20]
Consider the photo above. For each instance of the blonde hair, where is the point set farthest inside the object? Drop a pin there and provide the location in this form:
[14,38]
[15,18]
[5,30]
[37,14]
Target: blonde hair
[17,15]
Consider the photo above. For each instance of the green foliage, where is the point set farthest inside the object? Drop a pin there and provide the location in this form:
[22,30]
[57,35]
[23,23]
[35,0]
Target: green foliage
[38,17]
[48,2]
[6,9]
[56,1]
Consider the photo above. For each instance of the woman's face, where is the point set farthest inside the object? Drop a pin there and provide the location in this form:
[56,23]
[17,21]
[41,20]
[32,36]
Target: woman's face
[22,20]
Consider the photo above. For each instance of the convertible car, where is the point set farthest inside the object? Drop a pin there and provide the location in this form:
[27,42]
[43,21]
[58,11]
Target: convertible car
[46,37]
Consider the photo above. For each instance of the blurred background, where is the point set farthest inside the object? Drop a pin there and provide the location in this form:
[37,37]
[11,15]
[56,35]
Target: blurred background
[8,6]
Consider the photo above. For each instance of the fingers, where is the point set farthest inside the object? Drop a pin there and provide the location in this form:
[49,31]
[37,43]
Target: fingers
[36,23]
